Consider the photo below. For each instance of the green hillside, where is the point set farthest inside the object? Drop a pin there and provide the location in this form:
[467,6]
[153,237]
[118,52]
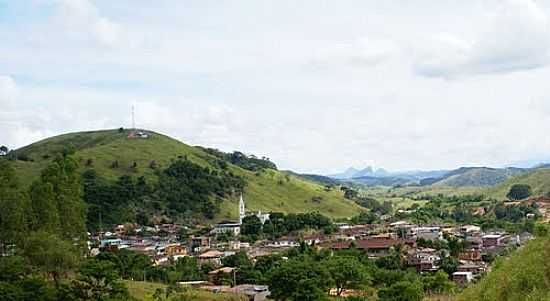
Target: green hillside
[538,179]
[267,190]
[478,176]
[525,275]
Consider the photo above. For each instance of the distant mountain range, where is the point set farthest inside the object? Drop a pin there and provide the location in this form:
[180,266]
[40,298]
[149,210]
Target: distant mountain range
[464,176]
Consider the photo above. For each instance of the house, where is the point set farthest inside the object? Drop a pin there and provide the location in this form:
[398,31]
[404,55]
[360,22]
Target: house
[211,256]
[263,217]
[227,227]
[313,239]
[462,279]
[466,229]
[200,243]
[284,242]
[110,242]
[475,269]
[493,240]
[424,260]
[373,246]
[175,250]
[428,233]
[470,255]
[213,275]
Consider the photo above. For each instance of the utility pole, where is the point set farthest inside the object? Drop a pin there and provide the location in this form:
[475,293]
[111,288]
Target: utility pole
[100,224]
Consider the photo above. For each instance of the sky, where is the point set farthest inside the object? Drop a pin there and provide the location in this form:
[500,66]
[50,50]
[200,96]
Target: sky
[317,86]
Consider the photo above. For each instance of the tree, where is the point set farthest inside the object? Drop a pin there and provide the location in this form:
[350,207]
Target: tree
[238,260]
[50,254]
[519,192]
[189,269]
[449,265]
[347,273]
[63,179]
[300,278]
[99,280]
[14,207]
[4,150]
[45,215]
[401,291]
[438,283]
[251,226]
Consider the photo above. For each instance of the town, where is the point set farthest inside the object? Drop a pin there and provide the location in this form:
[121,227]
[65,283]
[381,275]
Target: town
[419,245]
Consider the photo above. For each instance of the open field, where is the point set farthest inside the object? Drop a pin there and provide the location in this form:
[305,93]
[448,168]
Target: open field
[143,291]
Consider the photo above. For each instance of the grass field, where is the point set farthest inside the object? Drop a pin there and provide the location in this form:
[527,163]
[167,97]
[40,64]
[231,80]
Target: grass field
[267,191]
[143,291]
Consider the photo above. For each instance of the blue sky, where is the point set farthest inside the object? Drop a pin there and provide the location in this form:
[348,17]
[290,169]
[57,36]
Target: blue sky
[315,85]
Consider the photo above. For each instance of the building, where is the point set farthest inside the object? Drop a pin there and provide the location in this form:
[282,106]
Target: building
[475,269]
[242,210]
[428,233]
[462,279]
[466,229]
[213,275]
[470,255]
[263,217]
[212,256]
[425,260]
[199,243]
[492,240]
[373,246]
[111,242]
[227,227]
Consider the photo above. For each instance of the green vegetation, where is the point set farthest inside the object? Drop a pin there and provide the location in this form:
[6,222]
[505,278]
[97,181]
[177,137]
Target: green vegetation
[112,155]
[280,224]
[524,275]
[151,291]
[45,239]
[478,176]
[519,192]
[538,180]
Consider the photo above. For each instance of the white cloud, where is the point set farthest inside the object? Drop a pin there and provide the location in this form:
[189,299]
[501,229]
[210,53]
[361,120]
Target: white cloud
[516,38]
[8,91]
[81,16]
[358,53]
[232,76]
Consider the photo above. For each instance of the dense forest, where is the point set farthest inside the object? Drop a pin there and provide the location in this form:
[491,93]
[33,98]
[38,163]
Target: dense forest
[184,190]
[248,162]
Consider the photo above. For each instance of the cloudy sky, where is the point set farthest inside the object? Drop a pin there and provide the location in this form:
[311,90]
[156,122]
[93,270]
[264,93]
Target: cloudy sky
[317,86]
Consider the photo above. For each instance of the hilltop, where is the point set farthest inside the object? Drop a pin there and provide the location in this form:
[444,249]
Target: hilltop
[266,189]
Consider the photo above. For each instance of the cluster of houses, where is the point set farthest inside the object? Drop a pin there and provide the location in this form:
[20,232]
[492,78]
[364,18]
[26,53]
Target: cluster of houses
[163,246]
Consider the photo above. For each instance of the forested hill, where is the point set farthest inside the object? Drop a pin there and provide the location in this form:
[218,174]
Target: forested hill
[162,173]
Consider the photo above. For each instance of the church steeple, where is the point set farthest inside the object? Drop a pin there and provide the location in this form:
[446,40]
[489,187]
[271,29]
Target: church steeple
[242,210]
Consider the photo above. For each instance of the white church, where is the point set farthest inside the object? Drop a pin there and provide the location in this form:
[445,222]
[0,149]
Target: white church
[235,228]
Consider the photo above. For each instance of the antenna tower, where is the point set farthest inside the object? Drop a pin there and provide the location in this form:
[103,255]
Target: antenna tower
[133,118]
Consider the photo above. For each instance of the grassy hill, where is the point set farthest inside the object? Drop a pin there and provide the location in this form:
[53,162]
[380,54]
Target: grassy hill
[525,275]
[538,179]
[478,176]
[268,190]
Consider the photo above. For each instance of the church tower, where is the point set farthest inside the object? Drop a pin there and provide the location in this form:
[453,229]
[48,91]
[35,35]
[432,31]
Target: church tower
[242,210]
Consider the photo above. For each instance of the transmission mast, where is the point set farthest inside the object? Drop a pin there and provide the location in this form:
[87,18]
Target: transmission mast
[133,118]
